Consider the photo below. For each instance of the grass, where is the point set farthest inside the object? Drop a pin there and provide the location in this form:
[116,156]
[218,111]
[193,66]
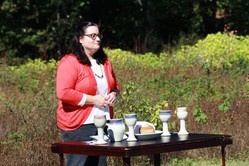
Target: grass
[211,162]
[28,109]
[183,158]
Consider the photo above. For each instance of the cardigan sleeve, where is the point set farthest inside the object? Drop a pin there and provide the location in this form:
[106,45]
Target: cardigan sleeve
[67,75]
[116,86]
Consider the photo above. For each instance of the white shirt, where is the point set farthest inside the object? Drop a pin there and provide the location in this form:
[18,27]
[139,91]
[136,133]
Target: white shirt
[102,88]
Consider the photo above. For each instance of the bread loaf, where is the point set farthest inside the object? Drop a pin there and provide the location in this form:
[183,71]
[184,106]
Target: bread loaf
[147,130]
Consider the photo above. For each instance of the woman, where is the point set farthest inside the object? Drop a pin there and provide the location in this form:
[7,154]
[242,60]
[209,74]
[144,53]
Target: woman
[85,85]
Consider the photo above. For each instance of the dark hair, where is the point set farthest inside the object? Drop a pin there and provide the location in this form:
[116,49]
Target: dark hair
[77,49]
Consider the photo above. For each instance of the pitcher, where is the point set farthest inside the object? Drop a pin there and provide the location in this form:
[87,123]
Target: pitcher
[116,130]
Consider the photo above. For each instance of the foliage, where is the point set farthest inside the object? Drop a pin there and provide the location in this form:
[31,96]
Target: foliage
[226,106]
[43,29]
[143,107]
[216,97]
[199,115]
[235,9]
[185,162]
[29,75]
[144,60]
[209,52]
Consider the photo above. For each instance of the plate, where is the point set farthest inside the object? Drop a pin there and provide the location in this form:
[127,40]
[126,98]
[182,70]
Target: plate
[149,136]
[95,137]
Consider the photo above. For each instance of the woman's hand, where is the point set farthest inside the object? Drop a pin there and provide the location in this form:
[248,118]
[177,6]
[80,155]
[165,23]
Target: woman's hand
[100,101]
[111,98]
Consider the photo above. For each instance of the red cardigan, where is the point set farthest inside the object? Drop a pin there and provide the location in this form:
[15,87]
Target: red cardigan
[72,81]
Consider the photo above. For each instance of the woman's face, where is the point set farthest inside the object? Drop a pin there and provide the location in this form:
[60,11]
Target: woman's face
[91,40]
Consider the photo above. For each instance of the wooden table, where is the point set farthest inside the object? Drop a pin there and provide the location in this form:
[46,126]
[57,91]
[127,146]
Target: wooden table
[154,147]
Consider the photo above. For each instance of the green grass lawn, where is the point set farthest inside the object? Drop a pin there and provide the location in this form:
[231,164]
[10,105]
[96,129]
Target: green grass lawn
[211,162]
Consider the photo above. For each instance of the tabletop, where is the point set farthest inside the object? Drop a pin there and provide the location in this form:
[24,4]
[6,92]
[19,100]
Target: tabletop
[156,146]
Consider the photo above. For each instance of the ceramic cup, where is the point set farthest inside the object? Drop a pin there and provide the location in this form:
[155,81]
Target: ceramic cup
[116,130]
[130,120]
[182,115]
[164,116]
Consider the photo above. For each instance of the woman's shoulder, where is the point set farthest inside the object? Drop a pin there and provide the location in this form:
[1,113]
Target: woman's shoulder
[69,60]
[69,57]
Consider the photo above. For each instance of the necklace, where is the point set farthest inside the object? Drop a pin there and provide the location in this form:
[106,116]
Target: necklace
[102,75]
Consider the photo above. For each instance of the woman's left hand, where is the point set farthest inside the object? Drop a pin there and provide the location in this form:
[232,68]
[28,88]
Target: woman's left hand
[111,98]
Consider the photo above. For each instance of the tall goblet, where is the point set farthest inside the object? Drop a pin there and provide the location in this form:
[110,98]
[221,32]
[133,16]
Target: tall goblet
[130,120]
[164,116]
[99,122]
[182,115]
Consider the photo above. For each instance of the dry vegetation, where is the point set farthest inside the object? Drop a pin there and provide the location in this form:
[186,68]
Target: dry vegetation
[28,115]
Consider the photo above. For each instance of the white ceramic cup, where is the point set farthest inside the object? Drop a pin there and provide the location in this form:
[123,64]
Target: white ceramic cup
[116,130]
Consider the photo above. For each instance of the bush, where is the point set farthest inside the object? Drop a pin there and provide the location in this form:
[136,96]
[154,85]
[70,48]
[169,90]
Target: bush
[216,95]
[218,51]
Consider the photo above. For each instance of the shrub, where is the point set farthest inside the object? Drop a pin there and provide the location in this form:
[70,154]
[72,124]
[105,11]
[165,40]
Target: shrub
[217,51]
[212,86]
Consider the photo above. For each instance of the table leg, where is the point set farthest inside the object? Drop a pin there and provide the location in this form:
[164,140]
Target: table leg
[61,159]
[157,160]
[223,155]
[126,161]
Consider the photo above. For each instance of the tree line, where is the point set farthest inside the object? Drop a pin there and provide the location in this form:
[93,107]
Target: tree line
[33,28]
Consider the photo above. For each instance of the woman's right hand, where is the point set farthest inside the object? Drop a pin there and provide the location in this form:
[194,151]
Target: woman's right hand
[97,100]
[100,101]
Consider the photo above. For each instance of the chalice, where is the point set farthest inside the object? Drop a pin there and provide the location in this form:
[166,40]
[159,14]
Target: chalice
[130,120]
[164,116]
[99,122]
[182,115]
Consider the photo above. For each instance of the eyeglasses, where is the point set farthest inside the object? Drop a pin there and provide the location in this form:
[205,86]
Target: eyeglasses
[93,36]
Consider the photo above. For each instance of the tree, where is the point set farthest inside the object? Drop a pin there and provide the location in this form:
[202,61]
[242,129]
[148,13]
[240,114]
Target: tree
[33,28]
